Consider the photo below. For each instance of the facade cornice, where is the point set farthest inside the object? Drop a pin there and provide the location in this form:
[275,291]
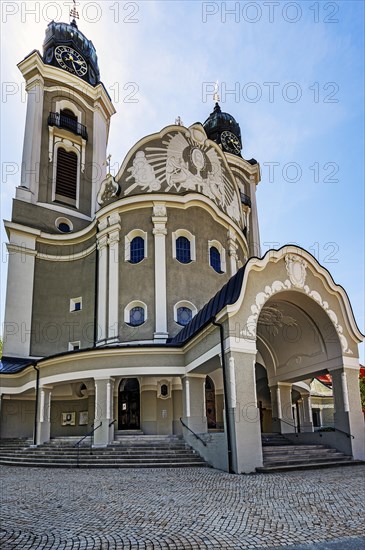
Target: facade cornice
[98,93]
[65,239]
[251,170]
[136,202]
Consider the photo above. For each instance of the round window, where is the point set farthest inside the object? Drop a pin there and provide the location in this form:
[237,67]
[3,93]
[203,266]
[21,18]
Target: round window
[64,225]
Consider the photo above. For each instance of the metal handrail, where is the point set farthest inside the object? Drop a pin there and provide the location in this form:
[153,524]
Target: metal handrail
[69,123]
[285,422]
[82,439]
[190,430]
[333,429]
[112,422]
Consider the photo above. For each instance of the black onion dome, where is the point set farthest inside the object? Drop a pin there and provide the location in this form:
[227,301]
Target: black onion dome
[68,34]
[218,122]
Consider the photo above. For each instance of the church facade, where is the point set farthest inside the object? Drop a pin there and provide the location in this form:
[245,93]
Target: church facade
[141,301]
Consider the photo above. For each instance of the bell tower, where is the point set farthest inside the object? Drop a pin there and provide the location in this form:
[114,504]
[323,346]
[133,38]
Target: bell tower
[225,131]
[66,132]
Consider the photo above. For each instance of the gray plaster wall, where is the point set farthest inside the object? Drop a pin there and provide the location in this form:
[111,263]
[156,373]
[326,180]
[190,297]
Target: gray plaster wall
[137,281]
[53,325]
[196,281]
[42,218]
[74,405]
[215,451]
[17,418]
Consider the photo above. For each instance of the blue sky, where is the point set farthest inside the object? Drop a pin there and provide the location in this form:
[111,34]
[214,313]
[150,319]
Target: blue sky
[309,129]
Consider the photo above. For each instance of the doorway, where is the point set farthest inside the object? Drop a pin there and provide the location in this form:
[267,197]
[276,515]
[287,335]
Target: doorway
[210,403]
[129,405]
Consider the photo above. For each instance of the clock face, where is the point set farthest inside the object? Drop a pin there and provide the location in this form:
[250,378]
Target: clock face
[230,142]
[70,60]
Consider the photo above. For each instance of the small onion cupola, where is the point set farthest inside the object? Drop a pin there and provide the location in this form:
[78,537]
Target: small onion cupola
[224,130]
[66,47]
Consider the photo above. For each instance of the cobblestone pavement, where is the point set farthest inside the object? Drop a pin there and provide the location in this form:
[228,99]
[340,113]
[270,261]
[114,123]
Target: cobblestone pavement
[190,508]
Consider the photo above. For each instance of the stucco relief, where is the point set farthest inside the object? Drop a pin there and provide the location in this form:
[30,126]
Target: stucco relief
[251,326]
[272,318]
[250,329]
[296,268]
[179,164]
[332,315]
[109,190]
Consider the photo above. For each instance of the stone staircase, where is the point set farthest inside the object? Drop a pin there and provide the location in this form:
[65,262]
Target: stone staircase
[127,451]
[281,454]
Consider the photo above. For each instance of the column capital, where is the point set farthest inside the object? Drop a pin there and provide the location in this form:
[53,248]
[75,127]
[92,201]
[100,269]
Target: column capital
[114,219]
[159,231]
[102,242]
[159,210]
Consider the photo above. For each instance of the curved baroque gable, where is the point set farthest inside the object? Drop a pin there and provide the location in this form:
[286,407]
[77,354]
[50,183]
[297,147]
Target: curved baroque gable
[179,161]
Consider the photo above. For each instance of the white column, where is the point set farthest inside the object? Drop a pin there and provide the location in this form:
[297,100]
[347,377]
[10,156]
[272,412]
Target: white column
[104,390]
[44,415]
[232,252]
[19,295]
[306,421]
[245,431]
[193,402]
[282,410]
[348,411]
[159,220]
[32,139]
[113,321]
[100,143]
[102,243]
[255,233]
[186,390]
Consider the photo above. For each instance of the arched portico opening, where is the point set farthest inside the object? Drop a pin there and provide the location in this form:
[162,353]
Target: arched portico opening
[129,404]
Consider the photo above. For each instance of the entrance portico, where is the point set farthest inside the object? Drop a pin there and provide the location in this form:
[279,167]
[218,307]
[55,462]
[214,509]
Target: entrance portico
[280,322]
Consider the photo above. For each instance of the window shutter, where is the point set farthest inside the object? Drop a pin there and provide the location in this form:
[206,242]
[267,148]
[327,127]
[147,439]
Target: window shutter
[66,177]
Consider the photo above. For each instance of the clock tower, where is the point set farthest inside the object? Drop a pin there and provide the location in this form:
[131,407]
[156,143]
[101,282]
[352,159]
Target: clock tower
[66,133]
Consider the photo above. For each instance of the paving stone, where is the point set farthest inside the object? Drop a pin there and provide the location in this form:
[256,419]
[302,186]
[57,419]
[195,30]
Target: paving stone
[182,509]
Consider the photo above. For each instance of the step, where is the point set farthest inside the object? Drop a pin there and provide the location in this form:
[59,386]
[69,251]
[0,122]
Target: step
[310,466]
[196,464]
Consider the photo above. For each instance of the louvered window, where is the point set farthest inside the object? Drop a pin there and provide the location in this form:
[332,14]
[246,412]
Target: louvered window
[66,176]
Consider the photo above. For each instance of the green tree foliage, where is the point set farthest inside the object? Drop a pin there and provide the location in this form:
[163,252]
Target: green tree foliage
[362,391]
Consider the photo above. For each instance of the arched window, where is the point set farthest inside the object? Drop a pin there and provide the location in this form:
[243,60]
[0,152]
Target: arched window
[135,246]
[136,250]
[215,259]
[184,311]
[184,315]
[183,250]
[136,316]
[217,256]
[66,176]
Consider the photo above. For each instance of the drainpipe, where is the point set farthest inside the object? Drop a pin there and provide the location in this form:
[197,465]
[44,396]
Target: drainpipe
[36,406]
[227,416]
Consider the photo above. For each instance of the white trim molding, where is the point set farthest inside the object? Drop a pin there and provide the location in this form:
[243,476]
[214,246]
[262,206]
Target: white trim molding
[222,252]
[73,302]
[72,346]
[129,238]
[191,238]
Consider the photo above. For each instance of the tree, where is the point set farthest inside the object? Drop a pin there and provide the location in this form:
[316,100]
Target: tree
[362,391]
